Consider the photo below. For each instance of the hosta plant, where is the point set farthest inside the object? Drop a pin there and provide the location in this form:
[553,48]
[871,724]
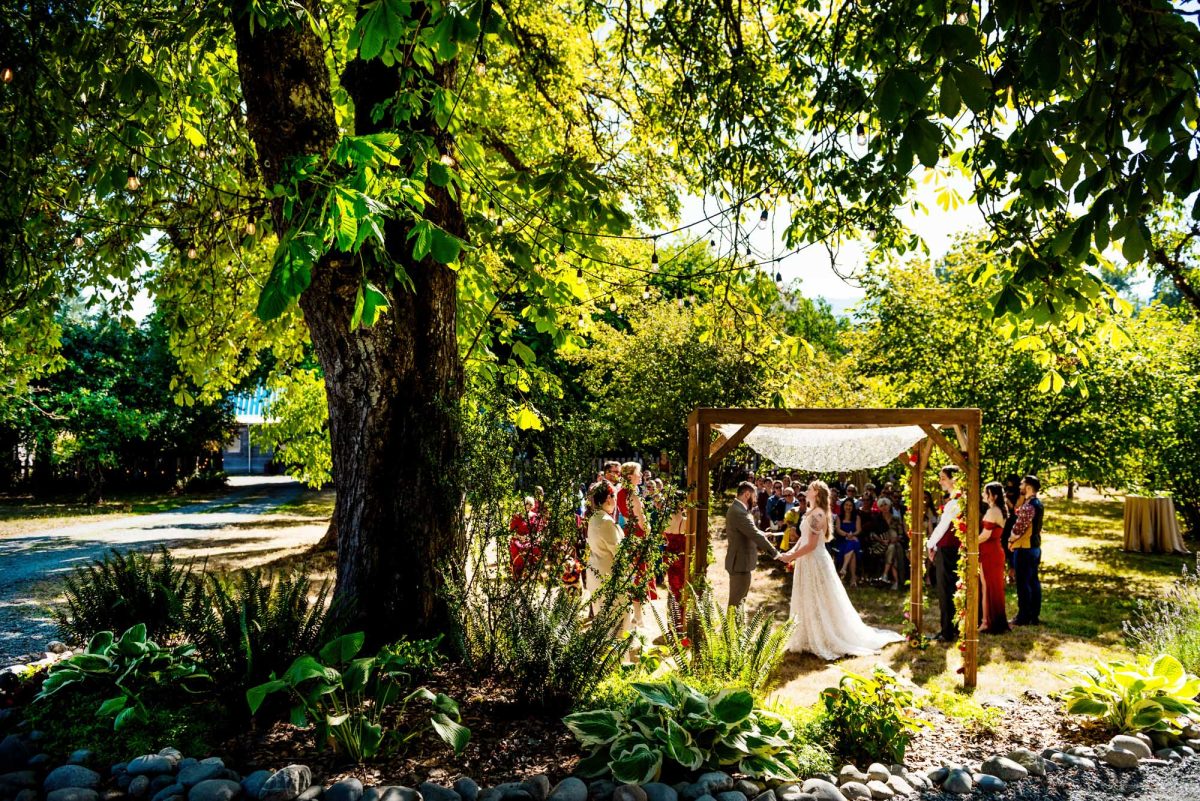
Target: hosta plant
[128,670]
[671,723]
[1134,696]
[872,719]
[352,700]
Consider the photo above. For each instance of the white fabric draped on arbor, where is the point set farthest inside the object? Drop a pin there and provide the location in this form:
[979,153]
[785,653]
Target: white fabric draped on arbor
[828,450]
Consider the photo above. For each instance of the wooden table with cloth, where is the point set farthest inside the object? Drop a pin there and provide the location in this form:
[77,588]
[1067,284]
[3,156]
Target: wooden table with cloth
[1151,526]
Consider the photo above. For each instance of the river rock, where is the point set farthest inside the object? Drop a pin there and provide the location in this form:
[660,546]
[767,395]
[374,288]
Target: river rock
[139,786]
[879,790]
[728,795]
[1134,745]
[194,774]
[71,776]
[748,788]
[655,791]
[286,784]
[878,772]
[1169,754]
[959,782]
[715,782]
[765,795]
[822,790]
[27,795]
[215,790]
[171,790]
[313,793]
[73,794]
[1085,751]
[601,790]
[1120,758]
[538,786]
[466,788]
[1034,764]
[347,790]
[402,793]
[80,756]
[1074,761]
[989,783]
[899,786]
[150,765]
[789,792]
[856,791]
[938,775]
[629,792]
[252,784]
[1004,768]
[13,754]
[851,773]
[433,792]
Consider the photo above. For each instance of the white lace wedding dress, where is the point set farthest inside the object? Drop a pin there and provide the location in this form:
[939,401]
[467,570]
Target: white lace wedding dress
[826,622]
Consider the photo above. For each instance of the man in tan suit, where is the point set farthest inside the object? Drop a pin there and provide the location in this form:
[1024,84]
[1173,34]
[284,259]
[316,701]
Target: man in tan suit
[745,541]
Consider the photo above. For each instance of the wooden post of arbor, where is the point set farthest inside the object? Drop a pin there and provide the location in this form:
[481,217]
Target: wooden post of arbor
[703,455]
[916,565]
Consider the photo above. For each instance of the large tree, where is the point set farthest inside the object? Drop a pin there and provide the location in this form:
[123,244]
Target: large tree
[407,165]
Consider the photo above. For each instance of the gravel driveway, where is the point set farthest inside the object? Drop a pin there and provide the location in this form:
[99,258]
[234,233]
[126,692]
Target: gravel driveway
[238,527]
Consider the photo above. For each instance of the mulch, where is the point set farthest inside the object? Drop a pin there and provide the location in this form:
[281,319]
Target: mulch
[509,741]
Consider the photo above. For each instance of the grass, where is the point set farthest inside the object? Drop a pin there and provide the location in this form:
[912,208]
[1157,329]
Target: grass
[1089,586]
[21,514]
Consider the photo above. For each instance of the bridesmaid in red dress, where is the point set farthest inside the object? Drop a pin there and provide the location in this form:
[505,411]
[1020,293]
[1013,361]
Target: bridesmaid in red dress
[991,560]
[629,504]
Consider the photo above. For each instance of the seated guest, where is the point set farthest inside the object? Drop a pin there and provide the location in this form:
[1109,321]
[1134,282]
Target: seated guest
[775,505]
[895,564]
[764,498]
[851,547]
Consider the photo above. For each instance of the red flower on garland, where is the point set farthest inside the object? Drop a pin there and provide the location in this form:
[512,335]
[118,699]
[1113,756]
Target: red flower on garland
[686,642]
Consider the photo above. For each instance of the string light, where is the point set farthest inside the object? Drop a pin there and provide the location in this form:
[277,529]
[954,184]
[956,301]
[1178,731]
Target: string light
[481,63]
[193,254]
[78,239]
[612,304]
[7,75]
[250,228]
[654,257]
[132,183]
[692,298]
[447,159]
[579,272]
[679,302]
[860,133]
[646,293]
[779,278]
[762,218]
[217,215]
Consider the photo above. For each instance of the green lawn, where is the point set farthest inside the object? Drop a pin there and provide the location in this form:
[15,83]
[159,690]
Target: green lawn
[22,514]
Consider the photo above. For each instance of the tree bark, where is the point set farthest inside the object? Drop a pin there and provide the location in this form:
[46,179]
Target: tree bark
[393,388]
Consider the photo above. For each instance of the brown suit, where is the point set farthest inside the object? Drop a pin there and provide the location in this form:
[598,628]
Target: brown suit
[745,541]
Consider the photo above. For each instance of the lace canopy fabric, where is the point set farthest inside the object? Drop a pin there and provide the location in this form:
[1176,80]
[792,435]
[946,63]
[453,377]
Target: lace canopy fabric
[829,450]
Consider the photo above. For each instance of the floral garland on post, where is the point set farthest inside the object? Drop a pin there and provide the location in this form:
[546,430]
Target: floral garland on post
[913,635]
[960,589]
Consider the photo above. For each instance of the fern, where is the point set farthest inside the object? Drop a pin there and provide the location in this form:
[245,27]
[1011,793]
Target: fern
[121,590]
[728,649]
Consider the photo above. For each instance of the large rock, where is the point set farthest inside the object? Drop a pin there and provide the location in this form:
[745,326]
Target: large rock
[958,782]
[1004,768]
[139,787]
[1028,760]
[73,794]
[789,792]
[538,786]
[150,765]
[286,784]
[851,773]
[655,791]
[879,790]
[215,790]
[13,754]
[1134,745]
[252,784]
[170,791]
[823,790]
[748,788]
[938,775]
[1085,751]
[467,789]
[878,772]
[715,782]
[765,795]
[1073,761]
[600,790]
[346,790]
[71,776]
[900,786]
[435,792]
[200,772]
[313,793]
[1120,759]
[856,791]
[400,793]
[989,783]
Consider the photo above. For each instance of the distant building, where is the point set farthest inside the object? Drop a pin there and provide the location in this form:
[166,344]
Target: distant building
[242,455]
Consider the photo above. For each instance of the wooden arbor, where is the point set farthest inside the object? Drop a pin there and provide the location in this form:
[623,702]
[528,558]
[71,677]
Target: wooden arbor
[704,454]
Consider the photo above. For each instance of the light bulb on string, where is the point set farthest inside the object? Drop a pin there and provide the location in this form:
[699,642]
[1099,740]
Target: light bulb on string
[860,133]
[679,302]
[7,75]
[646,293]
[654,257]
[692,298]
[217,215]
[78,241]
[779,278]
[447,160]
[762,218]
[579,272]
[192,253]
[481,63]
[612,304]
[712,243]
[250,228]
[132,182]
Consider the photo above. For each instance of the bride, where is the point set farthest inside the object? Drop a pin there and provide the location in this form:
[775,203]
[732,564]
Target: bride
[826,623]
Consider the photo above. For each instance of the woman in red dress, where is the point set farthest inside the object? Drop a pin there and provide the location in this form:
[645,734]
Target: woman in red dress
[629,504]
[991,560]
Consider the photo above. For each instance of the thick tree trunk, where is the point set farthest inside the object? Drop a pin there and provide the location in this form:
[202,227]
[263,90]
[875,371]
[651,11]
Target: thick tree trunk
[393,388]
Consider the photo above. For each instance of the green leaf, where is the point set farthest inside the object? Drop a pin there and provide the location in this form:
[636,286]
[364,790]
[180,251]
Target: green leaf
[974,85]
[100,642]
[127,715]
[593,765]
[372,737]
[343,648]
[887,100]
[112,706]
[256,695]
[640,766]
[595,727]
[445,247]
[452,733]
[1087,706]
[949,99]
[731,706]
[656,694]
[369,304]
[439,174]
[306,667]
[421,232]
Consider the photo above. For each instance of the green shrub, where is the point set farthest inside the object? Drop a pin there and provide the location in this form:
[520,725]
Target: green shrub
[132,673]
[123,590]
[1170,624]
[255,623]
[673,726]
[729,648]
[351,700]
[871,719]
[1133,697]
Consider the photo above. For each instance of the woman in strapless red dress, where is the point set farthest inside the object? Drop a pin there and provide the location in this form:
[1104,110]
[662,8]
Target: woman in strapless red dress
[991,560]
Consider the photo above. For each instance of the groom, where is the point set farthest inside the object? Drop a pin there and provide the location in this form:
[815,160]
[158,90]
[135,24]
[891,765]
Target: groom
[745,541]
